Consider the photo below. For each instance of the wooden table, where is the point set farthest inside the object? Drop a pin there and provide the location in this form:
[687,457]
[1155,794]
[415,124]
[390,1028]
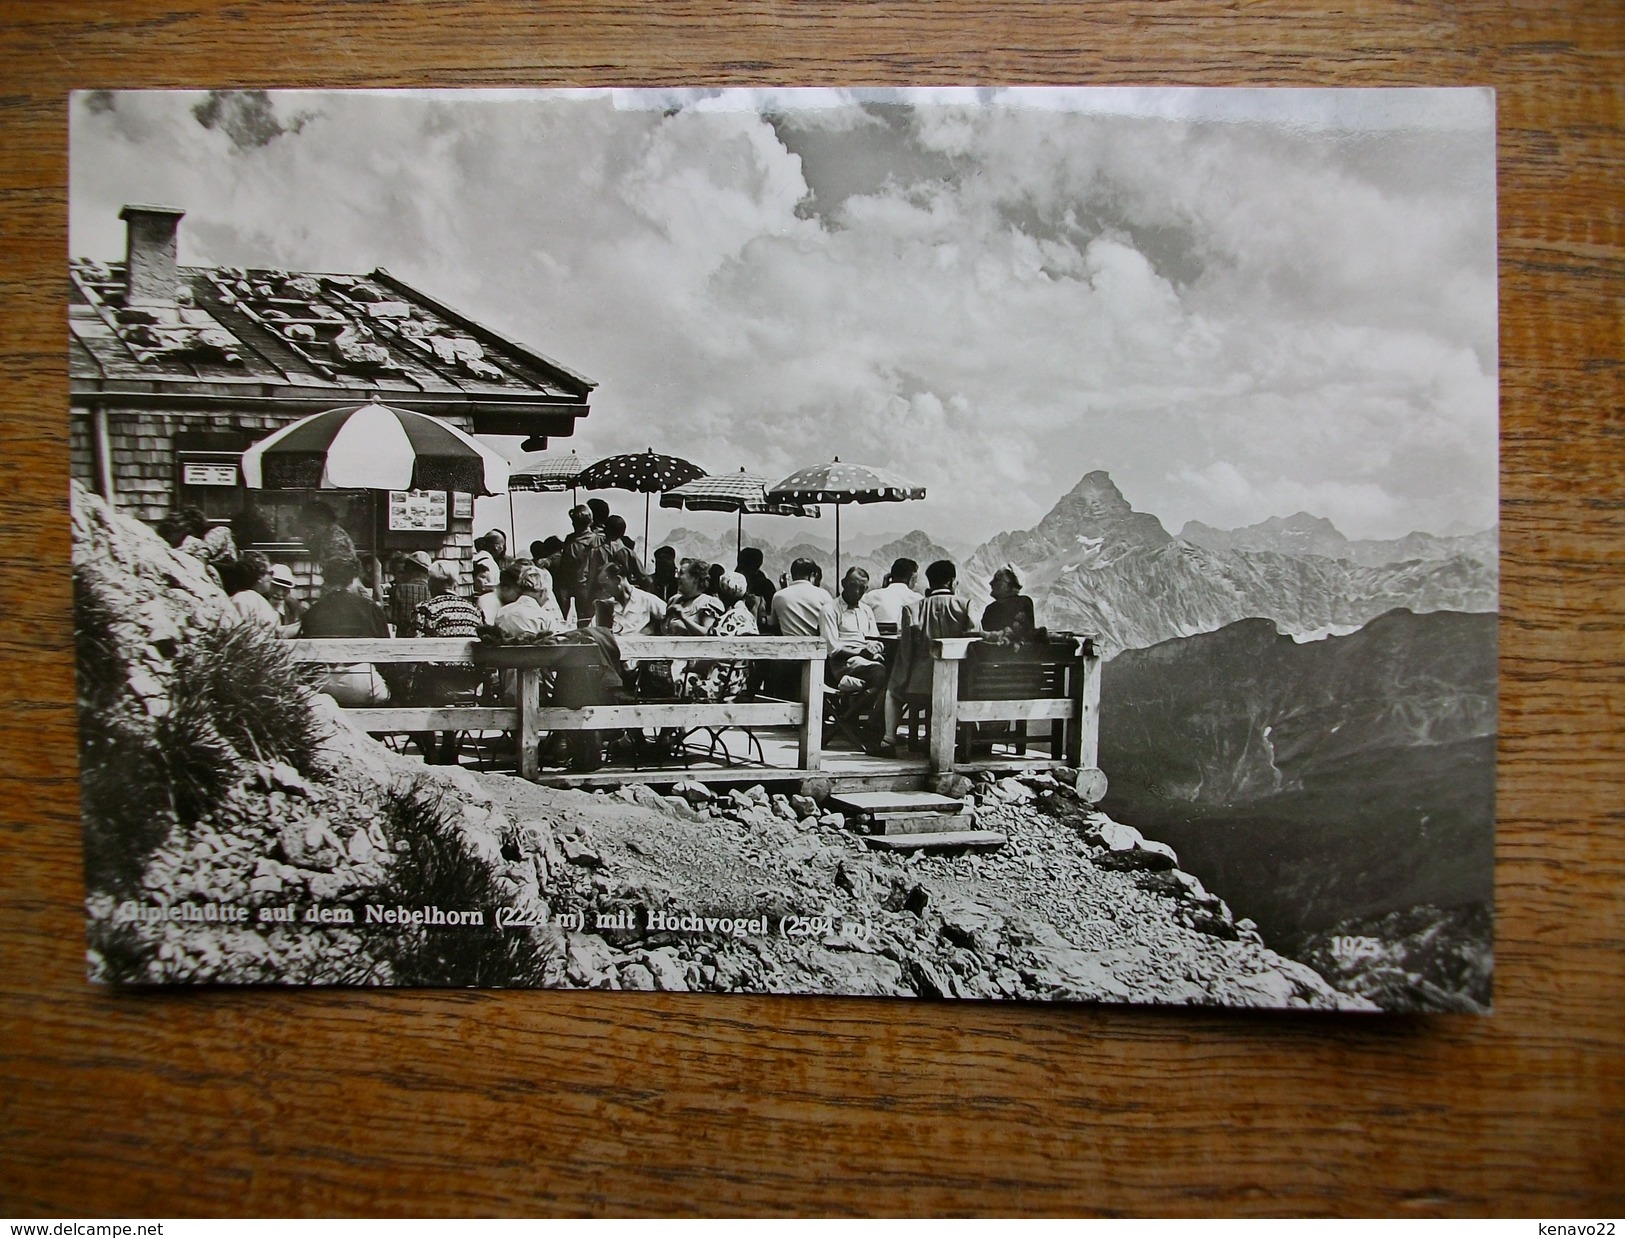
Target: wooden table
[266,1102]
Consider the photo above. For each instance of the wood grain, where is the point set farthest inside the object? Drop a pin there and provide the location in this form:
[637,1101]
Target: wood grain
[150,1103]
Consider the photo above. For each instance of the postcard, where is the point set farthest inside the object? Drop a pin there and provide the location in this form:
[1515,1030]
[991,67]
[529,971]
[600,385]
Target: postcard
[1006,544]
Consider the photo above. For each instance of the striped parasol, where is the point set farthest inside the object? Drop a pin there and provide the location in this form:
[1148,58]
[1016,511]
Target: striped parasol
[739,492]
[646,472]
[373,446]
[840,483]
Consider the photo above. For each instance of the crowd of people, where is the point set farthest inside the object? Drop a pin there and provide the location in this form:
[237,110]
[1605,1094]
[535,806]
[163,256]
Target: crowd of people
[877,641]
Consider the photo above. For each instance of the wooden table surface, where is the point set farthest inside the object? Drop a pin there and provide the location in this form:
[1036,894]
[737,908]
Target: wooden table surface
[264,1102]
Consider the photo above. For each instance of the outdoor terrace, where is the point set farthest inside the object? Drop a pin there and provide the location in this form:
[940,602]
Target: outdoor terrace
[1045,705]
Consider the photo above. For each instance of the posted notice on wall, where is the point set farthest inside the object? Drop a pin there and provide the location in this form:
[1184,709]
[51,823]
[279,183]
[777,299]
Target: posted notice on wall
[417,511]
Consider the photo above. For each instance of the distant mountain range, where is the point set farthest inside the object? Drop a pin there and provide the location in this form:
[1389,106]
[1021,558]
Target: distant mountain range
[1303,535]
[1094,564]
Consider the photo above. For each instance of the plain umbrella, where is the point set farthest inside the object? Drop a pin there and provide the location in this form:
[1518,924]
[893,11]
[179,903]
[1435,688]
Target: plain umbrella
[373,446]
[840,483]
[740,493]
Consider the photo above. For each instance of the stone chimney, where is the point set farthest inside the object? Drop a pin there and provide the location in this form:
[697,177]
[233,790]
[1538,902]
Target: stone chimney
[150,258]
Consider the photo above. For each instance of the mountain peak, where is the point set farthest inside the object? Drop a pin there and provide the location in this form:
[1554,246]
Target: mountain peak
[1099,483]
[1096,508]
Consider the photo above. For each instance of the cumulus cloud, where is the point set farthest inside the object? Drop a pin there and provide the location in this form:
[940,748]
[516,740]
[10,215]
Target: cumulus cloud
[1239,304]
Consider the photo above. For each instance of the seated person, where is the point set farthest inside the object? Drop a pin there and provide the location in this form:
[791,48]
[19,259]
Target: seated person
[445,615]
[889,602]
[528,612]
[1008,619]
[797,608]
[529,608]
[345,610]
[258,586]
[635,612]
[632,612]
[723,680]
[693,611]
[291,610]
[408,591]
[939,615]
[856,666]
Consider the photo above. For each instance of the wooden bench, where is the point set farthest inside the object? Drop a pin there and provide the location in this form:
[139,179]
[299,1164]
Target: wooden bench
[1059,683]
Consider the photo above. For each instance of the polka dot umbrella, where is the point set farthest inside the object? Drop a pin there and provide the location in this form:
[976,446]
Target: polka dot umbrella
[645,472]
[840,483]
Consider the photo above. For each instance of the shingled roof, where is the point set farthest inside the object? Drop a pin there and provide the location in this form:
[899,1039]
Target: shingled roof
[303,339]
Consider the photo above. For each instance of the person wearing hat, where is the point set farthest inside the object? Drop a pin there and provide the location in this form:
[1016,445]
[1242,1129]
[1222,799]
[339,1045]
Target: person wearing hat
[485,571]
[1008,619]
[446,613]
[282,597]
[253,600]
[408,591]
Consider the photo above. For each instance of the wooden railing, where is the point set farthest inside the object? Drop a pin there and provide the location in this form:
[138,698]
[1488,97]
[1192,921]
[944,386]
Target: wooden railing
[531,717]
[953,693]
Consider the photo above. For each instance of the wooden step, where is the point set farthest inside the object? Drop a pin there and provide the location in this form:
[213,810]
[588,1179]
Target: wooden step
[905,812]
[936,839]
[920,822]
[880,803]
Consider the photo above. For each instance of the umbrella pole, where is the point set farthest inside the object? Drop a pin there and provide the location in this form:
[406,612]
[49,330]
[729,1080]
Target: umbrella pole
[513,527]
[645,524]
[380,500]
[837,547]
[739,534]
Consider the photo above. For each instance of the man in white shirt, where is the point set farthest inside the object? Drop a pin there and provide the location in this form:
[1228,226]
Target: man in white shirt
[856,666]
[529,608]
[637,613]
[799,606]
[888,603]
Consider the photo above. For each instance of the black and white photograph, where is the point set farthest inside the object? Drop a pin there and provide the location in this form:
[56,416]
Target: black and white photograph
[1032,544]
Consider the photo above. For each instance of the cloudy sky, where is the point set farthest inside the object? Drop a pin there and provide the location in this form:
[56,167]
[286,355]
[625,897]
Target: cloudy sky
[1238,303]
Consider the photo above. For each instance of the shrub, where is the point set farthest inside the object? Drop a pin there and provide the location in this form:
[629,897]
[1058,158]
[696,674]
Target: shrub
[435,868]
[235,698]
[242,685]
